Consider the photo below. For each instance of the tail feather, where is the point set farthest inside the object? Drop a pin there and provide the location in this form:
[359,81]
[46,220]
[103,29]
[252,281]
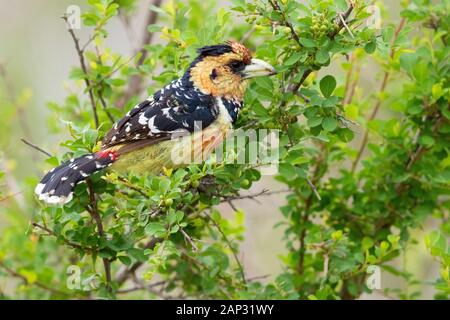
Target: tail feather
[57,186]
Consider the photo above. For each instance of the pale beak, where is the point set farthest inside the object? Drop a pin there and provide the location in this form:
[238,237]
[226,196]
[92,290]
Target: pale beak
[258,68]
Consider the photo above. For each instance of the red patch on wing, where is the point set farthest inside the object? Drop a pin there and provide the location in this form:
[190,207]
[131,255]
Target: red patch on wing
[107,153]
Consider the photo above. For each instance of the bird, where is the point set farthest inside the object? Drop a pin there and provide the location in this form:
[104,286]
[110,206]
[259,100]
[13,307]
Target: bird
[201,106]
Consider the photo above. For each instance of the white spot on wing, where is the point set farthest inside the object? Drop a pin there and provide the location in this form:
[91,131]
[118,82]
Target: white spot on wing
[142,118]
[83,174]
[151,125]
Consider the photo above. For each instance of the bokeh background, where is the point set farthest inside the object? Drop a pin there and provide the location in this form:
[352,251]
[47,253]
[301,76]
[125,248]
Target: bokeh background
[36,54]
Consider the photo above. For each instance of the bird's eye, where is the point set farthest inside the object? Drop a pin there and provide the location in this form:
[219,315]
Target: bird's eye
[237,65]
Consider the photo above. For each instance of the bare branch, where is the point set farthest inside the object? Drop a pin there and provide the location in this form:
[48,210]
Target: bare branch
[241,269]
[98,220]
[135,84]
[379,100]
[80,53]
[313,188]
[35,147]
[36,283]
[125,274]
[277,8]
[68,242]
[189,239]
[264,192]
[139,287]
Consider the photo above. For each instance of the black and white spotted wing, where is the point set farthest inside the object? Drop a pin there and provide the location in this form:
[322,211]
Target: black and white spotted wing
[176,109]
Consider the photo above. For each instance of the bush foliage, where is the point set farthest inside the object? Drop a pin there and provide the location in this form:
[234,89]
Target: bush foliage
[364,167]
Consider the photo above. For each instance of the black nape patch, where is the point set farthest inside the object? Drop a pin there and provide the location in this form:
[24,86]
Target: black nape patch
[215,50]
[213,74]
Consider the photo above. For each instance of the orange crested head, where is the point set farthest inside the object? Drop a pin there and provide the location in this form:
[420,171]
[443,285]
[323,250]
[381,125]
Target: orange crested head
[222,70]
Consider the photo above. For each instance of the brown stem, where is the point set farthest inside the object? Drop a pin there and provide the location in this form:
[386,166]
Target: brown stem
[35,147]
[98,220]
[350,86]
[296,86]
[68,242]
[80,53]
[378,101]
[100,90]
[253,196]
[136,81]
[36,283]
[105,107]
[286,22]
[124,275]
[306,212]
[241,269]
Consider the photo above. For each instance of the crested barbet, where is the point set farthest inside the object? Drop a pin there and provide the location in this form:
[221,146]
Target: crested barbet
[199,108]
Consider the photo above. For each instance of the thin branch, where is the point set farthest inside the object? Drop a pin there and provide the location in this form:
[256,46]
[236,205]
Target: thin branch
[264,192]
[109,74]
[232,206]
[379,100]
[313,188]
[345,25]
[36,283]
[247,35]
[104,106]
[10,196]
[277,8]
[139,287]
[258,278]
[326,262]
[350,86]
[135,84]
[80,53]
[35,147]
[306,212]
[125,274]
[189,239]
[98,220]
[100,90]
[68,242]
[343,17]
[132,187]
[241,269]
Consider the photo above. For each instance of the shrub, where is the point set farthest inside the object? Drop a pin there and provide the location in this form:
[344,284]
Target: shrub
[363,167]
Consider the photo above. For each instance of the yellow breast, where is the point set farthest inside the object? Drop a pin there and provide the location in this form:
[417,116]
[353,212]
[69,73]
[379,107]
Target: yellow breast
[181,151]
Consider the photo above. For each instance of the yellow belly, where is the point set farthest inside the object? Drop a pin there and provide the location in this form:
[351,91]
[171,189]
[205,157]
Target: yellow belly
[178,152]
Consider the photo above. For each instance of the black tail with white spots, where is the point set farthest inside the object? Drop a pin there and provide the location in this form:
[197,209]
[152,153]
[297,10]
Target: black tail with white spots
[57,186]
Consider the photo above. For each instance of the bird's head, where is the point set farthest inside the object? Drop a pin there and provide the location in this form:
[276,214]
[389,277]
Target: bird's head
[222,70]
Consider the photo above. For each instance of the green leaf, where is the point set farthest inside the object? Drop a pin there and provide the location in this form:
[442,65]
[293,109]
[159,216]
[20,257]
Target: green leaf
[367,243]
[307,43]
[341,5]
[265,83]
[408,61]
[155,229]
[314,122]
[125,260]
[426,141]
[329,124]
[327,85]
[370,47]
[164,185]
[153,28]
[292,59]
[322,56]
[345,134]
[137,254]
[436,243]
